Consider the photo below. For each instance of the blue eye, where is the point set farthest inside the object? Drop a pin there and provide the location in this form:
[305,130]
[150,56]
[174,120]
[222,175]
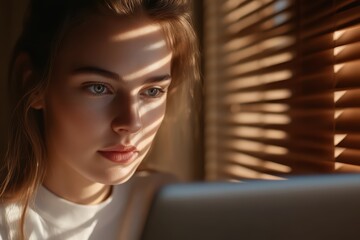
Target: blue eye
[98,89]
[154,92]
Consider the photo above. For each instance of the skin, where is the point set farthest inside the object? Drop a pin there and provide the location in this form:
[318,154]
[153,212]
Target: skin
[109,88]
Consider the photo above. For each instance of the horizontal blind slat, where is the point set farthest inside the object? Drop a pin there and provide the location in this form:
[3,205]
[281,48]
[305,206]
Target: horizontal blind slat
[288,84]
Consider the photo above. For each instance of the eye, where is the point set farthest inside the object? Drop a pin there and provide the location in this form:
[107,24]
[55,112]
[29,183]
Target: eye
[98,88]
[154,92]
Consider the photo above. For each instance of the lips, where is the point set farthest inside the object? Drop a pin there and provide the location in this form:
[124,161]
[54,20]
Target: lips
[120,154]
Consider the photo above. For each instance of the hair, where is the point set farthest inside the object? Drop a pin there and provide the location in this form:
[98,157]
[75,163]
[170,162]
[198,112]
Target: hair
[45,26]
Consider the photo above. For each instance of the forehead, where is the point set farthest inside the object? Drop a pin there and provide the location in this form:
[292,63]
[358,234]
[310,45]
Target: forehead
[131,46]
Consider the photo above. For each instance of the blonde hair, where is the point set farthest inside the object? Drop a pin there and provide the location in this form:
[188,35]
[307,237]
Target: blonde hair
[46,24]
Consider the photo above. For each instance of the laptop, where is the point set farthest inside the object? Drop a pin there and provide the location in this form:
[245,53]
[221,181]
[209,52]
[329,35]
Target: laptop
[303,208]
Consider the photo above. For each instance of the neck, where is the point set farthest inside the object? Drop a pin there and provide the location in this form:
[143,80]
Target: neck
[76,189]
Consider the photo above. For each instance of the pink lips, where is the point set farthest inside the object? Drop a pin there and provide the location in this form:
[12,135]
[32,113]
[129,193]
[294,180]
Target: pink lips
[120,154]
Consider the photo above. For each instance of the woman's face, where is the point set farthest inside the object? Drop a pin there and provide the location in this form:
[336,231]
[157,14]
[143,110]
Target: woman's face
[106,99]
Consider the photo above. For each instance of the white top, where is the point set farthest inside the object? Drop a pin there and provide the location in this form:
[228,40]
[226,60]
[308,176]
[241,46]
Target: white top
[51,217]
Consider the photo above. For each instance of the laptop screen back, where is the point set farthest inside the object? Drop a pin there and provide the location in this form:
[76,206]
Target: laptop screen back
[311,207]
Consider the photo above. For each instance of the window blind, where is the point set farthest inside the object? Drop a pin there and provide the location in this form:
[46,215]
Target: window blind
[281,89]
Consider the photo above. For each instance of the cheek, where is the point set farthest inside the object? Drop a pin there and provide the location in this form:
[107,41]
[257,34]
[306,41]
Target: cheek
[75,121]
[151,116]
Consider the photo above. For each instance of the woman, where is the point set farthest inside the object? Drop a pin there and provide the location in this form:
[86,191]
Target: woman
[89,82]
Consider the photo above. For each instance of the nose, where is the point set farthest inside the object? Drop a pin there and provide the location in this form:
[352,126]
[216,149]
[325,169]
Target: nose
[128,119]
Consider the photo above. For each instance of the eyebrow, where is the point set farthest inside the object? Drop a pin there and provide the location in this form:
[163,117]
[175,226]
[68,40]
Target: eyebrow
[116,77]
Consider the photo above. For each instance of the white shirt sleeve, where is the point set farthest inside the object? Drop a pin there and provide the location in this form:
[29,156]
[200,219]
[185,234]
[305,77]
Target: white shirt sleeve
[3,231]
[9,215]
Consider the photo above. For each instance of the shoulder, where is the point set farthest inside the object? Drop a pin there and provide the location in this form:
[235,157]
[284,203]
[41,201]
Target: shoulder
[142,188]
[154,178]
[3,230]
[145,184]
[149,182]
[9,217]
